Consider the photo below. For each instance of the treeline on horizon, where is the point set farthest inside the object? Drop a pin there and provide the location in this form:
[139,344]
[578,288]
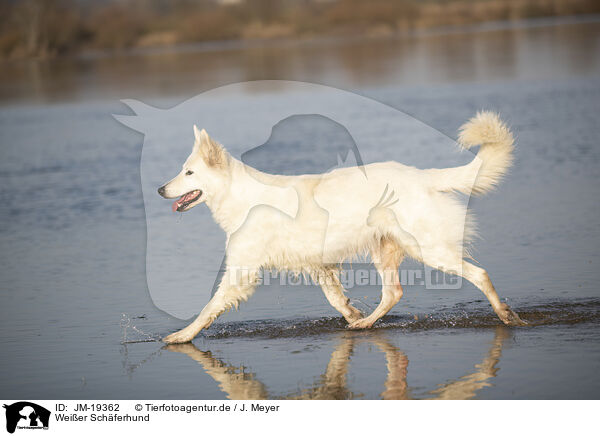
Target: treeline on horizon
[44,28]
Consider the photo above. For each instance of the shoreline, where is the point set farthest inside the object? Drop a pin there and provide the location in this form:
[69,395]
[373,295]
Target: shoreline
[307,40]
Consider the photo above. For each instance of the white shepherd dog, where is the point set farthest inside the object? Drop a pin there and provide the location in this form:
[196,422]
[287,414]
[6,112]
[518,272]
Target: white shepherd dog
[313,223]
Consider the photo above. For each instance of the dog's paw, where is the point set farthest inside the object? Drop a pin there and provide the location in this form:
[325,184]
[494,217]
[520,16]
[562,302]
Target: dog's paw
[180,337]
[353,316]
[508,317]
[363,323]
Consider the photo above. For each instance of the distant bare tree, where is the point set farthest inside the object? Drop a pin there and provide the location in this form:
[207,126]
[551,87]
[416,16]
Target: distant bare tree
[30,15]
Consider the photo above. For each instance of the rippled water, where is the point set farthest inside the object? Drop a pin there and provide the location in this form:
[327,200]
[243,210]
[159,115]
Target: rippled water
[77,319]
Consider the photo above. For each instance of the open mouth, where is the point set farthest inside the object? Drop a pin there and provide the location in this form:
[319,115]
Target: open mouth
[182,204]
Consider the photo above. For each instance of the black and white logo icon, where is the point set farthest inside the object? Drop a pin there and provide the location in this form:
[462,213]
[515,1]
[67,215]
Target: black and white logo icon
[26,415]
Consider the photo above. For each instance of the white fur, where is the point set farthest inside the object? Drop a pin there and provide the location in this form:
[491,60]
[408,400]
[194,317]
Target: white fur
[312,223]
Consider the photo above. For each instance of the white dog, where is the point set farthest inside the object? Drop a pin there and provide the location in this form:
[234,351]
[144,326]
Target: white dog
[313,223]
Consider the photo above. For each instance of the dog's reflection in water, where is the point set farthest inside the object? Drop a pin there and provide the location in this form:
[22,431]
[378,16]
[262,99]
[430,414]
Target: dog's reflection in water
[240,385]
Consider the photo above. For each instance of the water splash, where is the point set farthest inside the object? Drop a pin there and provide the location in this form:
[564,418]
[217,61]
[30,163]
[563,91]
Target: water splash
[142,336]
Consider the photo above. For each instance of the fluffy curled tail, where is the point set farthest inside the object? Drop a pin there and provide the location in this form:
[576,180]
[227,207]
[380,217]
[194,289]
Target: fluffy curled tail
[493,160]
[496,152]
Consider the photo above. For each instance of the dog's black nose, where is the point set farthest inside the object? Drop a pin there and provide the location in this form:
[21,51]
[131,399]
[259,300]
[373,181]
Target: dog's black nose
[161,191]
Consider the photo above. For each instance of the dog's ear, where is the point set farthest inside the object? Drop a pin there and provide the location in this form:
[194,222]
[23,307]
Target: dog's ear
[212,152]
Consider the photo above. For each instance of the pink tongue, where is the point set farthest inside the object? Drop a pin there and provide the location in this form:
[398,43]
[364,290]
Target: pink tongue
[182,200]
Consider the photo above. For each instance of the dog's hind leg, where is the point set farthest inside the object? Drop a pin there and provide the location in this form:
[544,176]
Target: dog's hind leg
[236,285]
[387,258]
[479,277]
[334,292]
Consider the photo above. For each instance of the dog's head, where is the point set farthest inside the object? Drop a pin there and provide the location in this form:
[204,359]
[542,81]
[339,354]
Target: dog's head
[204,174]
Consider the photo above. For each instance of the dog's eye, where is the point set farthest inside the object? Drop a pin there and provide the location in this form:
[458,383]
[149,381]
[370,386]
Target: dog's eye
[189,173]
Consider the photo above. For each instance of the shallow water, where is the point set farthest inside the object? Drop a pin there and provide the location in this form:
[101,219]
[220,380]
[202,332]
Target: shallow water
[77,318]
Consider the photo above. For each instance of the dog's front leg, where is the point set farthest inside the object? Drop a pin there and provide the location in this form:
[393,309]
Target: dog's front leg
[236,285]
[334,292]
